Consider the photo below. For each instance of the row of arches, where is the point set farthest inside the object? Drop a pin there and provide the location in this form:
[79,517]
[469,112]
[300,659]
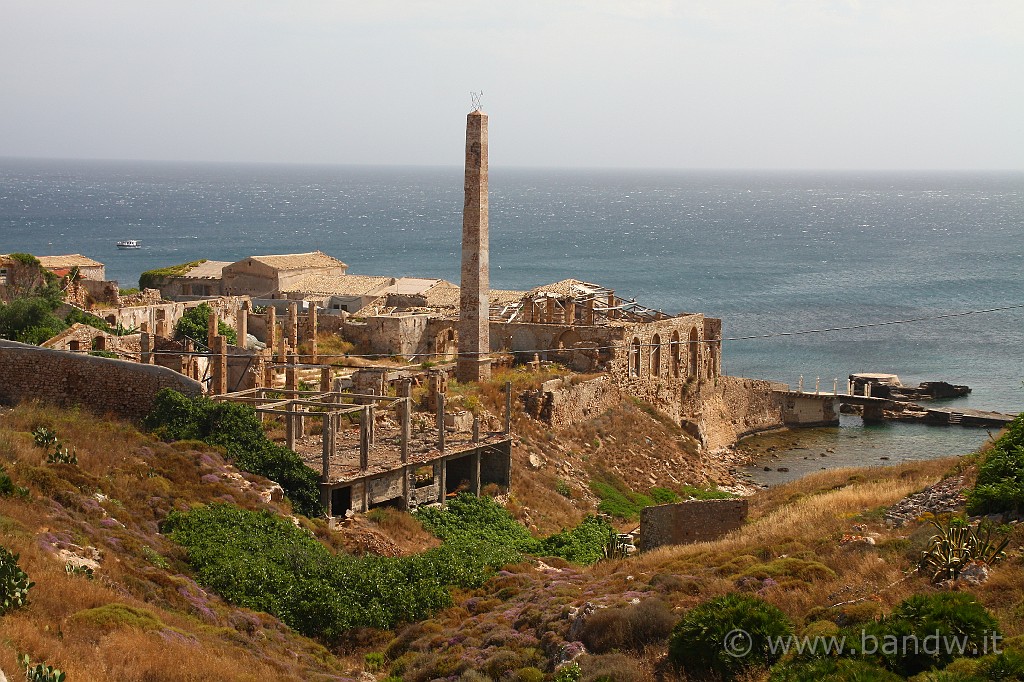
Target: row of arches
[683,358]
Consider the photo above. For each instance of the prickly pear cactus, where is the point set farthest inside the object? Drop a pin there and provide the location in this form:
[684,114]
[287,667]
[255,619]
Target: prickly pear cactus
[14,583]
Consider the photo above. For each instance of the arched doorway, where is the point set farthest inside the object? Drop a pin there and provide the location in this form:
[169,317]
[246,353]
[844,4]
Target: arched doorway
[656,356]
[693,351]
[675,350]
[634,358]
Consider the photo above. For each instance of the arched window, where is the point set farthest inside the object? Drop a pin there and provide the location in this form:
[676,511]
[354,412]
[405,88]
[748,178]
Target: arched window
[634,358]
[675,350]
[656,356]
[693,350]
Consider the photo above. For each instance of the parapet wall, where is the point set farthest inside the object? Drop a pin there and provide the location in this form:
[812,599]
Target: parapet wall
[686,522]
[100,385]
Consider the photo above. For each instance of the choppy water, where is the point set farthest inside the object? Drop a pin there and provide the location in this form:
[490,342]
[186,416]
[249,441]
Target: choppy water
[769,252]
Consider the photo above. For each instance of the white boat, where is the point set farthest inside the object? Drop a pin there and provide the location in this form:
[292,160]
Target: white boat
[129,244]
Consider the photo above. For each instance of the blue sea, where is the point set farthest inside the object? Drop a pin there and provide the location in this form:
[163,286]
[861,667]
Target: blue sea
[769,252]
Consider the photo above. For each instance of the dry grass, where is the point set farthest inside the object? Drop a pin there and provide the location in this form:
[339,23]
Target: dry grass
[113,501]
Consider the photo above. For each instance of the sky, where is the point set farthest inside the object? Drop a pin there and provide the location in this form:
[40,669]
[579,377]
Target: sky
[701,84]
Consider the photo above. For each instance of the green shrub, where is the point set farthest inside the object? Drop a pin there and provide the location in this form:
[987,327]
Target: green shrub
[14,582]
[618,501]
[151,279]
[195,323]
[570,672]
[262,561]
[632,627]
[1000,484]
[697,644]
[947,615]
[7,486]
[709,493]
[30,320]
[831,670]
[470,520]
[237,429]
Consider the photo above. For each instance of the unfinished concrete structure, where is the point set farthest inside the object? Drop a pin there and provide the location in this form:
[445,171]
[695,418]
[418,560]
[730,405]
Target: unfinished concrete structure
[372,450]
[474,307]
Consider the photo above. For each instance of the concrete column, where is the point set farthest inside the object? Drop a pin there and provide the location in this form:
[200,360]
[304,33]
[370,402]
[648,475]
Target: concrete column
[590,311]
[211,328]
[475,483]
[271,327]
[311,329]
[476,429]
[161,329]
[325,453]
[440,422]
[611,304]
[442,483]
[325,379]
[291,383]
[405,409]
[474,364]
[570,312]
[268,375]
[146,342]
[325,500]
[549,311]
[364,438]
[242,325]
[281,349]
[293,325]
[220,365]
[508,408]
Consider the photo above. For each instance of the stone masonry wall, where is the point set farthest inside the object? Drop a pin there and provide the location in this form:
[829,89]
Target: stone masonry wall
[687,522]
[101,385]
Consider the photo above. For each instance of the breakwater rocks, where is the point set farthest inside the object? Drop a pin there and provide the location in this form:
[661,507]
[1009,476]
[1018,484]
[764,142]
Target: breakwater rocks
[945,497]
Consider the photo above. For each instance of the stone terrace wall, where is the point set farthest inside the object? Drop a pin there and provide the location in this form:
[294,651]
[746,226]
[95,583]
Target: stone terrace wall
[686,522]
[101,385]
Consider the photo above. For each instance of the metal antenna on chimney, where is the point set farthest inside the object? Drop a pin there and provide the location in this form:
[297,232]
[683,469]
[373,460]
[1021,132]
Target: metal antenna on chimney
[475,98]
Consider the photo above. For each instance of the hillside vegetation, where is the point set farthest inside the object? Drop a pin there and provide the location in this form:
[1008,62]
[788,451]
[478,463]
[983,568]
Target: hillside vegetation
[144,560]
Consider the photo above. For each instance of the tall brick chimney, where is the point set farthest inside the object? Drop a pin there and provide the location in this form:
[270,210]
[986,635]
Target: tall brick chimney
[474,364]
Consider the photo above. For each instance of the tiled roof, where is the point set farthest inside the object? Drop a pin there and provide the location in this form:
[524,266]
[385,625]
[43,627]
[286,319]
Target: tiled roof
[296,261]
[443,295]
[70,261]
[566,287]
[339,285]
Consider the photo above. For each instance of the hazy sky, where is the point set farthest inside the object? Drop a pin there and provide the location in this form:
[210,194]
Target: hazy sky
[619,83]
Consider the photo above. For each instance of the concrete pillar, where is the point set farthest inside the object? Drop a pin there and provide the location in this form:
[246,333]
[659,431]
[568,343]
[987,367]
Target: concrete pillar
[162,329]
[474,364]
[611,304]
[325,500]
[211,329]
[570,312]
[242,325]
[476,429]
[440,422]
[219,385]
[281,349]
[405,416]
[442,483]
[291,383]
[325,379]
[271,327]
[474,484]
[590,311]
[364,438]
[311,331]
[549,311]
[146,343]
[293,325]
[325,453]
[508,408]
[268,375]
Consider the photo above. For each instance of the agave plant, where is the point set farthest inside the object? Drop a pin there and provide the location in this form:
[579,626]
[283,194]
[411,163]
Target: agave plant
[956,545]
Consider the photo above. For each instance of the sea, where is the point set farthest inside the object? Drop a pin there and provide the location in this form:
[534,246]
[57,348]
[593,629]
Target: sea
[815,274]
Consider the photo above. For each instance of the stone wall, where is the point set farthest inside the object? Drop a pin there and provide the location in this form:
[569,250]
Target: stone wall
[722,411]
[100,385]
[562,403]
[687,522]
